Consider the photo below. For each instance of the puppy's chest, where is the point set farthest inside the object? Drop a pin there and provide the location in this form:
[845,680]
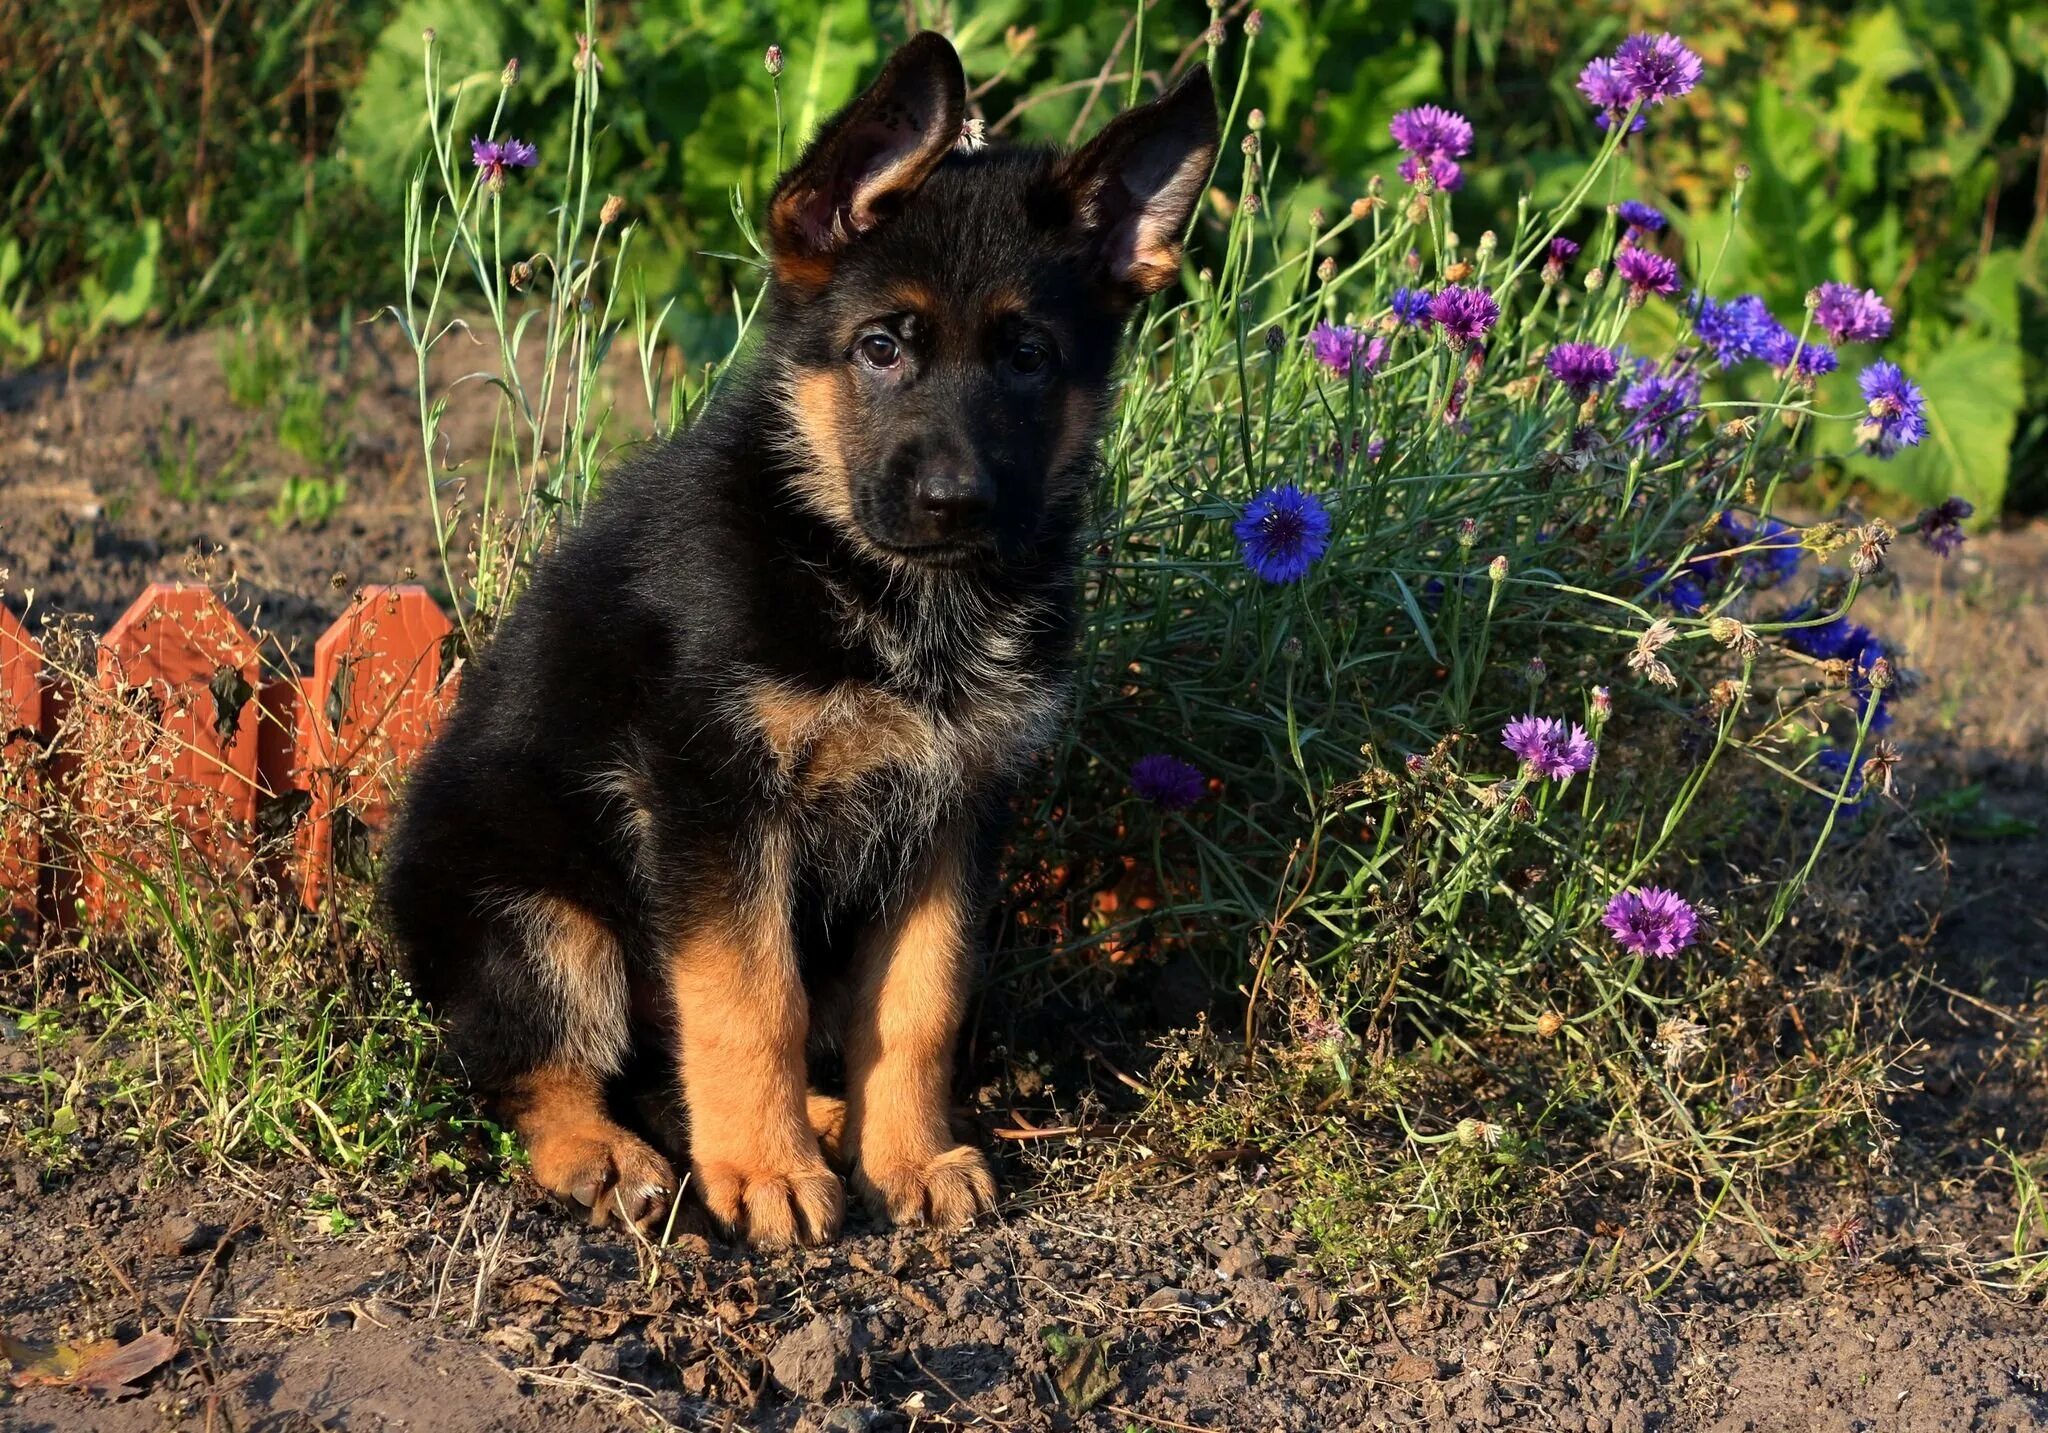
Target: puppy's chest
[876,751]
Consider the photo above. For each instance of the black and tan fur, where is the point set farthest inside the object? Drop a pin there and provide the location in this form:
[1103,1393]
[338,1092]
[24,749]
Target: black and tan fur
[725,787]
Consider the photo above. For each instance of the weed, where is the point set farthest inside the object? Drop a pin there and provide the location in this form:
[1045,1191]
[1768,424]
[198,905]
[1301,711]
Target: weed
[255,362]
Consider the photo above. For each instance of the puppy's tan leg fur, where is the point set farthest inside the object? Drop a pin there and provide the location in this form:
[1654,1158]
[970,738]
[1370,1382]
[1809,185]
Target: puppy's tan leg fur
[910,997]
[579,1153]
[743,1019]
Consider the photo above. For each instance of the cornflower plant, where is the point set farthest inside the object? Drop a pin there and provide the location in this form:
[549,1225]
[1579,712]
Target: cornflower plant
[1445,641]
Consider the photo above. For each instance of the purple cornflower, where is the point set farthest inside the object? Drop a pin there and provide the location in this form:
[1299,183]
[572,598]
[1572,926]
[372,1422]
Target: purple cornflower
[1430,132]
[1553,749]
[1656,68]
[1464,314]
[1663,407]
[1851,315]
[1445,174]
[1649,920]
[1732,329]
[1941,528]
[1646,273]
[1283,531]
[1168,782]
[1609,93]
[1898,413]
[1341,348]
[1581,367]
[1642,219]
[494,156]
[1410,306]
[1562,252]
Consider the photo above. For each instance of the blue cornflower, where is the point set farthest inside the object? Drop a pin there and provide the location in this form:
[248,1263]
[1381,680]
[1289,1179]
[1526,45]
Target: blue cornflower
[1778,556]
[1828,641]
[1282,532]
[1168,782]
[1642,219]
[1411,306]
[1732,329]
[1778,346]
[1898,412]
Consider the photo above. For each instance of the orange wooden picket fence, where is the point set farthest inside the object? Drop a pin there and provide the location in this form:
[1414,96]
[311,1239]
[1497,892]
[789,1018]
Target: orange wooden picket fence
[181,727]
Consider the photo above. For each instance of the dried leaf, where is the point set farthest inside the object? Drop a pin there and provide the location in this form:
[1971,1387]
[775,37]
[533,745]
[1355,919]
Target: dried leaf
[1416,1368]
[539,1289]
[110,1374]
[98,1365]
[1081,1369]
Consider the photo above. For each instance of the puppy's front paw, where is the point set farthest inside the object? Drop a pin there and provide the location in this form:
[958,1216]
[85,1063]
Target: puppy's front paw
[949,1189]
[605,1170]
[772,1207]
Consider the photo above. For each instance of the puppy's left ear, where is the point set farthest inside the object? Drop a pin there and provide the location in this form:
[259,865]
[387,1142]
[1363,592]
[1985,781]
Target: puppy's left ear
[867,159]
[1135,185]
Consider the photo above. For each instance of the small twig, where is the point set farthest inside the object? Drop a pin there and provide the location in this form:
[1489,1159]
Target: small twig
[448,1264]
[487,1260]
[211,1262]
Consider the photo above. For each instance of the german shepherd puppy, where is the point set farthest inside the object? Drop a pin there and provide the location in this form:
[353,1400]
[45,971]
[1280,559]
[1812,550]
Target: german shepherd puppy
[727,784]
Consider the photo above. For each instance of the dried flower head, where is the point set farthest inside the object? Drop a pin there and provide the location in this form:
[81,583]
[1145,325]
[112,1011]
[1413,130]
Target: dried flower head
[1873,543]
[1478,1134]
[614,206]
[1548,1024]
[1678,1038]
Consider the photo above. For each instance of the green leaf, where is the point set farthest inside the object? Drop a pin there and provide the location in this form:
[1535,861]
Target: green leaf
[119,292]
[1081,1369]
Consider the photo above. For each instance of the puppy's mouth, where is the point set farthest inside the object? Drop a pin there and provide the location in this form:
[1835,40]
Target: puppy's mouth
[950,555]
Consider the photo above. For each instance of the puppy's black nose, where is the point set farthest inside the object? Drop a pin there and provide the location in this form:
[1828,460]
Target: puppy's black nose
[951,503]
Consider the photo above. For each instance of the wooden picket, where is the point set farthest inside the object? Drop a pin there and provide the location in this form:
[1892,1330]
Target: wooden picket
[21,725]
[367,711]
[180,729]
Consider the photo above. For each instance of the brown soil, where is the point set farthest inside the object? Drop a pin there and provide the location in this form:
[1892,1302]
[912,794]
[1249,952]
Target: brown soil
[491,1311]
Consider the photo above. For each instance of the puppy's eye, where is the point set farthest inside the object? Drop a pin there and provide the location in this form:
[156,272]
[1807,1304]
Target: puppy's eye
[879,350]
[1030,356]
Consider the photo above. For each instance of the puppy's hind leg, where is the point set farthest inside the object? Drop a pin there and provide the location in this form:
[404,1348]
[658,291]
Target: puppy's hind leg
[575,978]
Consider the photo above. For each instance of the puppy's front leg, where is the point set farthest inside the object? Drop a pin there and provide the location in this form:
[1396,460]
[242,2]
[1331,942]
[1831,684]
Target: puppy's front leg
[910,996]
[743,1021]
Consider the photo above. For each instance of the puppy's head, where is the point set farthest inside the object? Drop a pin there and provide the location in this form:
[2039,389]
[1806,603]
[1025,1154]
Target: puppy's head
[946,318]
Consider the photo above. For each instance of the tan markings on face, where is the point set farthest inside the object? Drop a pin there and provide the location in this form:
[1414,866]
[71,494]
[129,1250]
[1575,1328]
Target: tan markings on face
[910,296]
[830,739]
[584,965]
[742,1020]
[819,398]
[905,1015]
[578,1153]
[1002,304]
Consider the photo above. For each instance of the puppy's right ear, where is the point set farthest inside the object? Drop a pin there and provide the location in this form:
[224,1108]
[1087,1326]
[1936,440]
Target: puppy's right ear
[867,159]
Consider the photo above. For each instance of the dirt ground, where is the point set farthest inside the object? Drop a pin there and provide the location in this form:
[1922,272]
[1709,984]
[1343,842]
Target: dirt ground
[1188,1302]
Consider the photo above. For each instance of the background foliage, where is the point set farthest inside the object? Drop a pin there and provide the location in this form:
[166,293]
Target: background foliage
[165,161]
